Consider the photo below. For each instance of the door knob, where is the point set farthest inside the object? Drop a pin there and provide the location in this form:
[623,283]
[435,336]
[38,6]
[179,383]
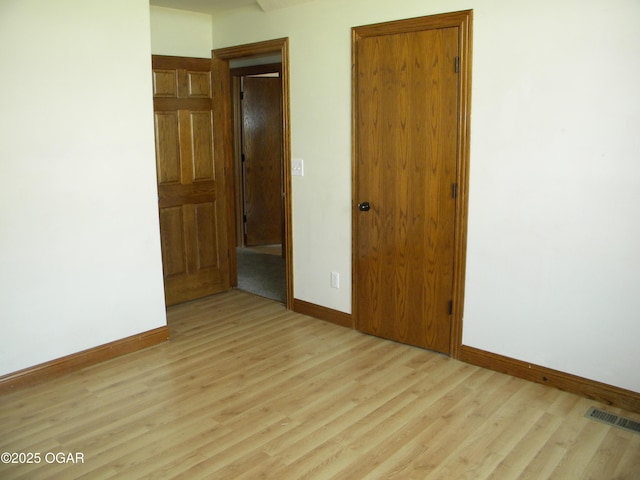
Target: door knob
[364,206]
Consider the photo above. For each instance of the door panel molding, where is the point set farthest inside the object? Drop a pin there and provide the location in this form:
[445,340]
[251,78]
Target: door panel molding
[190,181]
[462,21]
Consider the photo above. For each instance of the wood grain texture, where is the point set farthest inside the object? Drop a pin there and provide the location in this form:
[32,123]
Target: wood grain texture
[191,184]
[323,313]
[598,391]
[85,358]
[462,21]
[406,108]
[237,75]
[246,389]
[262,148]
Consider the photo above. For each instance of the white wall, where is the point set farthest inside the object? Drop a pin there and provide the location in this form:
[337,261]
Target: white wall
[553,256]
[180,33]
[80,260]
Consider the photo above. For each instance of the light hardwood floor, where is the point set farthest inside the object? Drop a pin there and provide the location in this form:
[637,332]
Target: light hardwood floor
[247,390]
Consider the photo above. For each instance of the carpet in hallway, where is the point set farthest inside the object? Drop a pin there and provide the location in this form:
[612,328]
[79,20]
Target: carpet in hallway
[262,274]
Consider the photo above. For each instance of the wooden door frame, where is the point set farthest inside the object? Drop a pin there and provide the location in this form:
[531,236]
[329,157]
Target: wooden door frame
[223,140]
[463,21]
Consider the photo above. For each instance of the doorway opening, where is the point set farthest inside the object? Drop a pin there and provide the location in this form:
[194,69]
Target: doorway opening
[252,134]
[257,104]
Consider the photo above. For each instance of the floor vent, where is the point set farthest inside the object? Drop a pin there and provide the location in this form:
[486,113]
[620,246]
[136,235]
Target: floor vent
[615,420]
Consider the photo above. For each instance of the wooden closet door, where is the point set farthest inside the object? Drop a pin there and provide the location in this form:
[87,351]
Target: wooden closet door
[190,181]
[406,115]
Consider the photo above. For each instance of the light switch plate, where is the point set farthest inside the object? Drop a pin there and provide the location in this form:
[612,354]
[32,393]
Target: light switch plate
[297,167]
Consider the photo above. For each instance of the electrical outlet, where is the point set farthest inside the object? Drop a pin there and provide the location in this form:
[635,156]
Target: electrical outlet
[335,280]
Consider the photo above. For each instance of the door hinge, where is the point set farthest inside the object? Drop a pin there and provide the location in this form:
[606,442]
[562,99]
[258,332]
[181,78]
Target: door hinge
[450,307]
[242,95]
[244,218]
[454,190]
[242,157]
[457,64]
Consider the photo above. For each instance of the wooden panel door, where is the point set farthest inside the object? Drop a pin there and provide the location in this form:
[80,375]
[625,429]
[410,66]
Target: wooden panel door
[191,195]
[405,123]
[262,165]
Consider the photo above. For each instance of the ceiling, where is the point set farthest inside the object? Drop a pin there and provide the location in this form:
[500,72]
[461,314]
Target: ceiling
[213,7]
